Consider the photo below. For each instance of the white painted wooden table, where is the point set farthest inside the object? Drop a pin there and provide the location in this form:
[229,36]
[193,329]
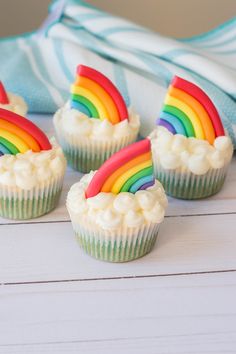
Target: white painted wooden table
[181,298]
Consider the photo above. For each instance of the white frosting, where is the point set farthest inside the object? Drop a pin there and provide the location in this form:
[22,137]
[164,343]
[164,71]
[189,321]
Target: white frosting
[25,171]
[16,104]
[177,152]
[76,124]
[112,211]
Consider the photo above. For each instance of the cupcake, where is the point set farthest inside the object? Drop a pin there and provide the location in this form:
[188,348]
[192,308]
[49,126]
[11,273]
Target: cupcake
[95,122]
[12,102]
[116,211]
[191,152]
[31,169]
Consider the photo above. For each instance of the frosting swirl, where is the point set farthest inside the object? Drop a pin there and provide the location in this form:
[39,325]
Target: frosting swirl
[177,152]
[77,125]
[112,211]
[27,170]
[16,104]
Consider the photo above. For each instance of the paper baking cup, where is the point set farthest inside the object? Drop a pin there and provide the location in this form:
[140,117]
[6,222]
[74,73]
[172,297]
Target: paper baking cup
[23,204]
[85,154]
[186,185]
[124,245]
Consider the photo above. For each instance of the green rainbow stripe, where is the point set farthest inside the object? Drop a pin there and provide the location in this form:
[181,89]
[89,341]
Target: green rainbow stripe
[10,147]
[85,102]
[182,117]
[143,173]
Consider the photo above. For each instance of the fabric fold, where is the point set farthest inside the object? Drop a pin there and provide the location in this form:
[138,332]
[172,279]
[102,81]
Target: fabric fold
[41,65]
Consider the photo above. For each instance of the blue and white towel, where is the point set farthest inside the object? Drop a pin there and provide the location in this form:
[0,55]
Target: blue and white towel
[41,65]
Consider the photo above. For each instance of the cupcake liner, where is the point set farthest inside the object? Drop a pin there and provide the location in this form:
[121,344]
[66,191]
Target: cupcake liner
[23,204]
[122,245]
[186,185]
[85,154]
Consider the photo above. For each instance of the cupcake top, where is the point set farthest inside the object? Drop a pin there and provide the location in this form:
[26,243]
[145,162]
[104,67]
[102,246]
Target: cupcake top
[77,124]
[190,134]
[12,102]
[27,157]
[123,192]
[96,109]
[30,169]
[177,152]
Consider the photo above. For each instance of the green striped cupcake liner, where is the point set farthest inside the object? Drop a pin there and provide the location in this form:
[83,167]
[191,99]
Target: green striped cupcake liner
[123,246]
[26,204]
[187,185]
[90,154]
[84,162]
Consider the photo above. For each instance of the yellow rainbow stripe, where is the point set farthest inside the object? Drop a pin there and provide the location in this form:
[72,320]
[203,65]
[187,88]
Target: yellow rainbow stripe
[120,182]
[15,140]
[81,91]
[189,112]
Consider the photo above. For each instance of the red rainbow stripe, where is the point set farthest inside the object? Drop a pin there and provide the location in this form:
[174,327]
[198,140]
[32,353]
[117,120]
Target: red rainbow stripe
[3,95]
[18,134]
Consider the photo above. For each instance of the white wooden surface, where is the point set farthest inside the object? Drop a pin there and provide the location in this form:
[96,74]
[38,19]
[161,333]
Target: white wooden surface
[181,298]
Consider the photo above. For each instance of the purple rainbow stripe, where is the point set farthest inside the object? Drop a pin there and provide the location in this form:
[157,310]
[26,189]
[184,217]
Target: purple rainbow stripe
[167,125]
[147,185]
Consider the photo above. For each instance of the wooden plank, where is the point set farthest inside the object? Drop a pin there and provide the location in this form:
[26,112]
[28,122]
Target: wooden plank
[177,314]
[50,252]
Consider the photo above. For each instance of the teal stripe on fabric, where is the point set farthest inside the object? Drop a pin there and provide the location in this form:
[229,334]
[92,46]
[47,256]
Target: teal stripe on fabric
[58,47]
[74,26]
[121,83]
[220,43]
[93,45]
[44,71]
[175,53]
[87,40]
[109,31]
[37,98]
[156,67]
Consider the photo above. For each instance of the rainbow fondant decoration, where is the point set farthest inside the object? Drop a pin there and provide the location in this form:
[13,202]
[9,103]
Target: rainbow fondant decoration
[128,170]
[189,111]
[96,96]
[3,95]
[18,135]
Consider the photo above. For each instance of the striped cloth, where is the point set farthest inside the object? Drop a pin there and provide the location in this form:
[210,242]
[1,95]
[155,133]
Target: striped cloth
[41,65]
